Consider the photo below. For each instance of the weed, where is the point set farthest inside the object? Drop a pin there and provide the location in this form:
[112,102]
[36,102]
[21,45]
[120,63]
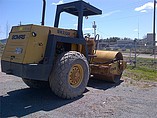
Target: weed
[145,70]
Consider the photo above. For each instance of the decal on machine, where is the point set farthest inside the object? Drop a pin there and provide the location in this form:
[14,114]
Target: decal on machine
[63,32]
[18,37]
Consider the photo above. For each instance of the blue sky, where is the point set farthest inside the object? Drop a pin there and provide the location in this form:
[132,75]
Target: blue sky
[120,18]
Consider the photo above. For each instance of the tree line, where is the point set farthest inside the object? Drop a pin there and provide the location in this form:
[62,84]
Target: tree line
[114,39]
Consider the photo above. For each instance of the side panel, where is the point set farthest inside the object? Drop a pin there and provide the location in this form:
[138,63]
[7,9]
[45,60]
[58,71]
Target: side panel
[36,45]
[16,47]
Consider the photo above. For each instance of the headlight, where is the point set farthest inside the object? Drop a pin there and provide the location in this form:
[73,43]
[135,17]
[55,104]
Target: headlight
[34,34]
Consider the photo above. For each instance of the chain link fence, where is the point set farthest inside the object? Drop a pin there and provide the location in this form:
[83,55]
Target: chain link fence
[141,57]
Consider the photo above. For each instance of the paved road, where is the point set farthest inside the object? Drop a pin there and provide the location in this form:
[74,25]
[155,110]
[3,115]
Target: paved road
[128,99]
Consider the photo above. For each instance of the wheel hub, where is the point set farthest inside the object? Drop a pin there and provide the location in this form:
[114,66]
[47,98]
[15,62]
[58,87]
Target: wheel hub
[75,75]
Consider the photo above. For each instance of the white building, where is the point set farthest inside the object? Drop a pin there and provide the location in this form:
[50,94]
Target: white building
[150,39]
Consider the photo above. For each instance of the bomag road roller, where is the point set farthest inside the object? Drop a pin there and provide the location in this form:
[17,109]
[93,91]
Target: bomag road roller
[62,59]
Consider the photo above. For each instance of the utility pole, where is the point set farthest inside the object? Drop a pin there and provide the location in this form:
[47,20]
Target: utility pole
[154,27]
[94,27]
[135,44]
[95,36]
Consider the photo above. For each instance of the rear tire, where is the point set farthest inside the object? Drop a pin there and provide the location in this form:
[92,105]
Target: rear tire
[35,83]
[70,75]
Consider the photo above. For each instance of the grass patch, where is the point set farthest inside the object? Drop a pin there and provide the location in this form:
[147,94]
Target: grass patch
[145,70]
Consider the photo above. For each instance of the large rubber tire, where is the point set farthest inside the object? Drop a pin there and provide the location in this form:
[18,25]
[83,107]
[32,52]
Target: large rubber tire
[59,78]
[35,83]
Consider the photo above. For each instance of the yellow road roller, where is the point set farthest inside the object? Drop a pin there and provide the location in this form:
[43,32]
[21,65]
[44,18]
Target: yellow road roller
[62,59]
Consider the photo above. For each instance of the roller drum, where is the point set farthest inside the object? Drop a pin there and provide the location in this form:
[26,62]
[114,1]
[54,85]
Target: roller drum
[108,65]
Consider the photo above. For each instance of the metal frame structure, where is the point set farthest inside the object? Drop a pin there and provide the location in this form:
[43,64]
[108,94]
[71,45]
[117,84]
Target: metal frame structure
[79,9]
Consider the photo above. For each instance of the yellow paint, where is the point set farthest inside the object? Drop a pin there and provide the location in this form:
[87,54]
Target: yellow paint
[10,48]
[73,47]
[107,56]
[115,68]
[20,28]
[75,76]
[33,48]
[23,28]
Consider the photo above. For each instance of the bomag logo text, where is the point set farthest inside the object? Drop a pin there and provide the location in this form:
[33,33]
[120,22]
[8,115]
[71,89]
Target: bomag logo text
[16,37]
[63,32]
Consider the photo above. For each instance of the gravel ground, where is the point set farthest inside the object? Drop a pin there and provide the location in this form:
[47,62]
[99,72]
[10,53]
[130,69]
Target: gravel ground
[128,99]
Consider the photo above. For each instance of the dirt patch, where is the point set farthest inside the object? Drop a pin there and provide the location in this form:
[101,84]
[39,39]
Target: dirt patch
[129,98]
[140,83]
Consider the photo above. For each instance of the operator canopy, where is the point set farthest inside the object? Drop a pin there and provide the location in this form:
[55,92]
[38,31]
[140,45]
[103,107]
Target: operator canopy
[79,9]
[75,7]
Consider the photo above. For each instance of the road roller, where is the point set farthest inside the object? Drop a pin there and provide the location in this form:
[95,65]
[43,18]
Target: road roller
[61,59]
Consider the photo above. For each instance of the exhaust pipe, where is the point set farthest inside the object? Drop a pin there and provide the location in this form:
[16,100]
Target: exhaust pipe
[43,14]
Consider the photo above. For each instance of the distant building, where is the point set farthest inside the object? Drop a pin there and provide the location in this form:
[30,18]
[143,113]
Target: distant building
[128,43]
[125,43]
[149,39]
[103,45]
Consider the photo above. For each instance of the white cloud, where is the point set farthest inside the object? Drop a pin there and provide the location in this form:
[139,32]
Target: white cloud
[60,2]
[144,11]
[110,13]
[88,29]
[145,7]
